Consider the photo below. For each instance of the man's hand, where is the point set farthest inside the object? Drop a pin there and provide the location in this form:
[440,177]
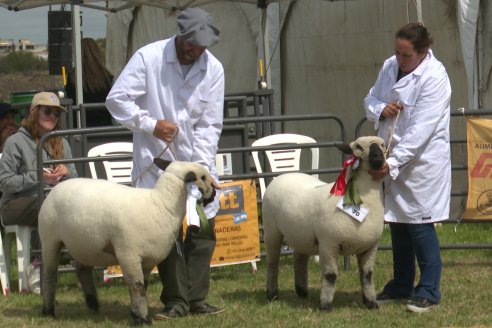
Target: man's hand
[381,173]
[165,130]
[391,109]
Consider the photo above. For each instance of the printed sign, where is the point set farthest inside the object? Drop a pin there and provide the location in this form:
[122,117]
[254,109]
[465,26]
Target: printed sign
[236,225]
[479,202]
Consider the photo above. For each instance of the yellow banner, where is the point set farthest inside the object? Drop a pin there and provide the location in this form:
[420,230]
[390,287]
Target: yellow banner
[236,224]
[236,228]
[479,142]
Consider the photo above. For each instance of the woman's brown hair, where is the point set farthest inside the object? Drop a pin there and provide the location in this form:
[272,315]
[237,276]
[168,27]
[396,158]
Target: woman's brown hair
[417,34]
[95,75]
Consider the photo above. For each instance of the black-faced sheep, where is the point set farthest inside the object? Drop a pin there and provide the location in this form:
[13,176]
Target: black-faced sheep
[103,223]
[308,218]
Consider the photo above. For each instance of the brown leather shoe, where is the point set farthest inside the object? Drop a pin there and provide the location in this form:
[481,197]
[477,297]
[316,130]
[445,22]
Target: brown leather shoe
[168,314]
[205,309]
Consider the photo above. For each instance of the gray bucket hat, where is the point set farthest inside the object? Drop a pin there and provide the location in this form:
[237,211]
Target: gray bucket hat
[195,25]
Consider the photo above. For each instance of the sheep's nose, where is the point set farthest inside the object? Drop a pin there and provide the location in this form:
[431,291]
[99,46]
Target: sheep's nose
[376,156]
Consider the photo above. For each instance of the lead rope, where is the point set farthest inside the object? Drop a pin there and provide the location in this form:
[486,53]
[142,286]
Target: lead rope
[390,133]
[390,138]
[173,152]
[168,146]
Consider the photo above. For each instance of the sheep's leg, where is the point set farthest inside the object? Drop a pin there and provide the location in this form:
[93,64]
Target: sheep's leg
[146,275]
[301,273]
[51,258]
[329,273]
[84,274]
[366,264]
[134,277]
[273,243]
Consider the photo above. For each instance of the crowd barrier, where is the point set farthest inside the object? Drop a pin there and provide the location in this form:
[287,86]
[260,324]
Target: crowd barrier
[242,125]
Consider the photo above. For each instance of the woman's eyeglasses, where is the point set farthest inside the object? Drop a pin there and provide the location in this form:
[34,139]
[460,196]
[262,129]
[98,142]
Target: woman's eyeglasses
[48,111]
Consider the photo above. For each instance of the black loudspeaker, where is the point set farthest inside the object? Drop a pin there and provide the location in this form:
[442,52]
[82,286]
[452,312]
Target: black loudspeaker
[59,41]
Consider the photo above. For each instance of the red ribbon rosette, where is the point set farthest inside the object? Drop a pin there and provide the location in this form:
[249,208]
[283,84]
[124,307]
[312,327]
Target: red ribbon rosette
[340,184]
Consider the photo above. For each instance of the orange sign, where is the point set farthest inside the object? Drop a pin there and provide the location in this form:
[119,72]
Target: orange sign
[479,202]
[236,224]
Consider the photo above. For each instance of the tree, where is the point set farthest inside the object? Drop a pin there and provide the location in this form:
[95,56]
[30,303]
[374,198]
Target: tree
[22,62]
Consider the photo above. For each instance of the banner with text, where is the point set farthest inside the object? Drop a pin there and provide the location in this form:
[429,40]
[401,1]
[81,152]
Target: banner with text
[236,224]
[479,142]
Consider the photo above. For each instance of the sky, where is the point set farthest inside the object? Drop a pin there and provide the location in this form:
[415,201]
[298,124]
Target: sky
[32,24]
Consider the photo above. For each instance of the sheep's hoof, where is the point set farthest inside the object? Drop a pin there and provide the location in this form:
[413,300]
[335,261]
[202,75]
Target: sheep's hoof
[49,311]
[272,296]
[326,307]
[92,302]
[139,321]
[371,305]
[301,292]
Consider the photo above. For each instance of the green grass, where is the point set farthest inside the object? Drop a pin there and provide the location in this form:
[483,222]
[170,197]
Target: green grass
[466,287]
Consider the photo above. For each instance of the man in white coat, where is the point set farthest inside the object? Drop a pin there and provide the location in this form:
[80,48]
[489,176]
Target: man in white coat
[171,93]
[410,106]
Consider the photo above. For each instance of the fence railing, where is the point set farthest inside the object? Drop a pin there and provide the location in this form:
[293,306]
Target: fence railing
[243,125]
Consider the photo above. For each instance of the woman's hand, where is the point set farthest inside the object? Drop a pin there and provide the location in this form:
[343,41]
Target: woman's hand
[53,176]
[61,170]
[379,174]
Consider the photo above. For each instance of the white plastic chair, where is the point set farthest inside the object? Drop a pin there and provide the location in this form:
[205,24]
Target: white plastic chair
[23,240]
[116,171]
[285,159]
[22,235]
[4,274]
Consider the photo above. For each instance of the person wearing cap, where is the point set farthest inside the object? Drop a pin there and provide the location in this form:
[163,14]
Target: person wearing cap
[171,95]
[18,164]
[7,125]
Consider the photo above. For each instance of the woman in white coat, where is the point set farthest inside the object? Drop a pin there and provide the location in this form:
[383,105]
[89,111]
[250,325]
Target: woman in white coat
[410,106]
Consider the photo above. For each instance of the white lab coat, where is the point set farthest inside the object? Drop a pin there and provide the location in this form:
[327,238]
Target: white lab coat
[418,187]
[151,87]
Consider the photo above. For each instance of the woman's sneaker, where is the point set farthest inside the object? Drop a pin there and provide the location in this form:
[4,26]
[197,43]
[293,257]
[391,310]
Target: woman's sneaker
[383,298]
[420,305]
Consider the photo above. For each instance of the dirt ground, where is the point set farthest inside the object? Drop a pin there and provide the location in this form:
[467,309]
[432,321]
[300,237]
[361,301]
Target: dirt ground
[39,81]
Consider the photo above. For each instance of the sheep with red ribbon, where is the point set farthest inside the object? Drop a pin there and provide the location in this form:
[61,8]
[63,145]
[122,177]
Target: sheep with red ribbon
[330,219]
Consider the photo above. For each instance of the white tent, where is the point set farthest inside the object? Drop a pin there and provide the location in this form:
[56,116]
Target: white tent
[299,31]
[114,7]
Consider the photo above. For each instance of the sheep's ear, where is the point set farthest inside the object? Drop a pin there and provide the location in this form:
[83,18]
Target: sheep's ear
[161,163]
[345,148]
[190,177]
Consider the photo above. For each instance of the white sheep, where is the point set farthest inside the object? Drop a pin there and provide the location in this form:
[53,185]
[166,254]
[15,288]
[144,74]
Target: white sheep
[301,209]
[102,223]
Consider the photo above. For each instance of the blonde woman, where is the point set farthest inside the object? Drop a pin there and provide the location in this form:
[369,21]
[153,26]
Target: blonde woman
[18,164]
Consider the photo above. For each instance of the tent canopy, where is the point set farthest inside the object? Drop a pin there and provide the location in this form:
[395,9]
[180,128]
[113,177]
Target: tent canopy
[17,5]
[110,6]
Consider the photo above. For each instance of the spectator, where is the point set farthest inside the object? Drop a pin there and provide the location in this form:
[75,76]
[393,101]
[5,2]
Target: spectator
[7,125]
[410,105]
[96,81]
[18,166]
[171,93]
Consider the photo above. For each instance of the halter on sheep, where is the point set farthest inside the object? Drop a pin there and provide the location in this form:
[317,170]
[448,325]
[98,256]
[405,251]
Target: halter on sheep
[309,219]
[102,223]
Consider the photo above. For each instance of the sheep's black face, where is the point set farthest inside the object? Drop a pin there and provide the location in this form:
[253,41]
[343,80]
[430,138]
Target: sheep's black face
[376,156]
